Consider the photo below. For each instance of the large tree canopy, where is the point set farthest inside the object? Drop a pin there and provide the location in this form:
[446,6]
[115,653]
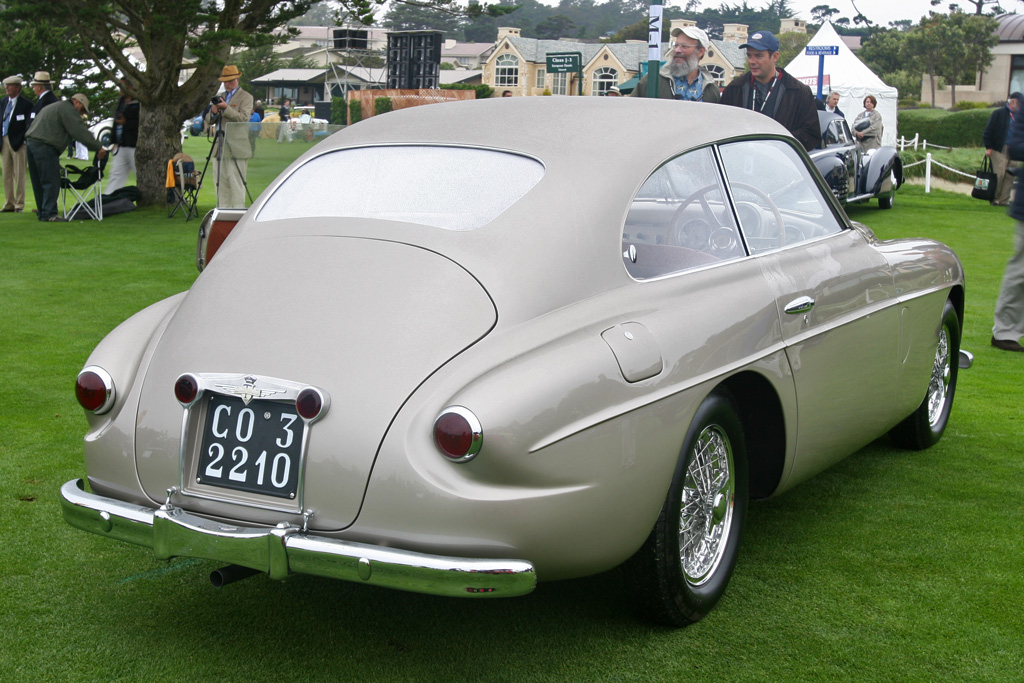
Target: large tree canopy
[183,45]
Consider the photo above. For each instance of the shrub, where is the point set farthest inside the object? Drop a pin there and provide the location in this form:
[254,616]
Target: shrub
[355,111]
[483,91]
[951,129]
[964,106]
[381,105]
[338,111]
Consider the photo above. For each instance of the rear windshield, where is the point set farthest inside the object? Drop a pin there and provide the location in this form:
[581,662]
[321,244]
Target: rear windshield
[454,188]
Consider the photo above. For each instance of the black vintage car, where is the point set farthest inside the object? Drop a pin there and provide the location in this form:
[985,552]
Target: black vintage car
[855,175]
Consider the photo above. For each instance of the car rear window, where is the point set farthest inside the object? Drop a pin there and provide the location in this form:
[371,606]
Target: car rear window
[454,188]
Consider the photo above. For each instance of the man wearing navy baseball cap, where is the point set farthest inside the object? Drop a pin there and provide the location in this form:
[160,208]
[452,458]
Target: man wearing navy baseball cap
[766,88]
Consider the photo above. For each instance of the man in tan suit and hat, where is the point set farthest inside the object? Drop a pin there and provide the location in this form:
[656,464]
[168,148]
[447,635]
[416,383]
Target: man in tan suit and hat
[232,152]
[16,113]
[43,89]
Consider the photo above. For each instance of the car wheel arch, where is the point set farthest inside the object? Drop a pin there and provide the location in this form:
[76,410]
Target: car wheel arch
[760,412]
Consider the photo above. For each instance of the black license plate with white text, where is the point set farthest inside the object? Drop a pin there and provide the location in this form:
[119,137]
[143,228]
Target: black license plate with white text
[254,448]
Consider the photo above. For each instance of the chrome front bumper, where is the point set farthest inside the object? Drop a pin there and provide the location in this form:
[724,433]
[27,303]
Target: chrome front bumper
[284,549]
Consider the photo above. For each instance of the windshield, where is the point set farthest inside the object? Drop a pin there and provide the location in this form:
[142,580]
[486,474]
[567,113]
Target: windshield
[453,188]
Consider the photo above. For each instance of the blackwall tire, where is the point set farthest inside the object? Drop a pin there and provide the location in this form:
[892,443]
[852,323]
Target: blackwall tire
[924,427]
[683,568]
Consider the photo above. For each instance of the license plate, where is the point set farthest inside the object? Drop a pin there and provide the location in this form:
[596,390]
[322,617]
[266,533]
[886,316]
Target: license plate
[254,447]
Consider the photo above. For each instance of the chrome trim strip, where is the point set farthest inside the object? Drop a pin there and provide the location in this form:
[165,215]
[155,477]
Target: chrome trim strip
[284,549]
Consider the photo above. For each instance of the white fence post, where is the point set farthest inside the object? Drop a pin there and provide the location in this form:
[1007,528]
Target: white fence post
[928,173]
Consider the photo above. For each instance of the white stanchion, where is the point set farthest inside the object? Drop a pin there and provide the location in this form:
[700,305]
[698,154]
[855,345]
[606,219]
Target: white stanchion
[928,173]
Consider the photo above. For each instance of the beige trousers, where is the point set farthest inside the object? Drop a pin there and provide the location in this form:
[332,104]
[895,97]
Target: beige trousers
[14,165]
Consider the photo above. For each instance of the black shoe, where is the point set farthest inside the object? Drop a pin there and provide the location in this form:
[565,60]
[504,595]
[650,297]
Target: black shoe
[10,210]
[61,219]
[1007,345]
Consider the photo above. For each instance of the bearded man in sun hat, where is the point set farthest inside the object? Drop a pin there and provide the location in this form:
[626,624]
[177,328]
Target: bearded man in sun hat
[682,77]
[230,114]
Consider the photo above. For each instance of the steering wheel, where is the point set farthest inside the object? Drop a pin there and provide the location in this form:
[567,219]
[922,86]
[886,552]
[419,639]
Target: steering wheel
[709,215]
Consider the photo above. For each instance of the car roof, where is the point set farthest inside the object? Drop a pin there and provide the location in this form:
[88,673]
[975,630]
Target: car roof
[574,128]
[561,242]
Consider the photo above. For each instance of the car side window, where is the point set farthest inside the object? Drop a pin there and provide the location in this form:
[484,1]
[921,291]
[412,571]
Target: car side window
[680,219]
[777,200]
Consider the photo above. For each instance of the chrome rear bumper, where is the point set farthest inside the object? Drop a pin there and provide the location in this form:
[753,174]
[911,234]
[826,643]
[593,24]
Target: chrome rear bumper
[284,549]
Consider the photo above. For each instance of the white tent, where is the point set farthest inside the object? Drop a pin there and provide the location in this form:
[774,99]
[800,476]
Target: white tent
[848,76]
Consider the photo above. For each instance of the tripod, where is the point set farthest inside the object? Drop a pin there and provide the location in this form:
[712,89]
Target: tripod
[219,140]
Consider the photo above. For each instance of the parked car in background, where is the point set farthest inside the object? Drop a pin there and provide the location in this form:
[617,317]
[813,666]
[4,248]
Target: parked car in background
[452,353]
[854,175]
[103,131]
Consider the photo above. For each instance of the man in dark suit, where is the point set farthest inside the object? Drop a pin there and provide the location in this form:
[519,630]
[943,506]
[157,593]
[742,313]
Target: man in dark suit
[43,89]
[17,112]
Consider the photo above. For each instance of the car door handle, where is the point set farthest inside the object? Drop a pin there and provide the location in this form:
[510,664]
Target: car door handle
[799,305]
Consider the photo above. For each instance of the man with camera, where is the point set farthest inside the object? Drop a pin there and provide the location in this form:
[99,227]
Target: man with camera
[230,114]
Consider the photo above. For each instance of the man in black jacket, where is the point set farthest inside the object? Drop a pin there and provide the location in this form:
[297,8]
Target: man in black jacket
[766,88]
[126,136]
[994,138]
[42,87]
[16,112]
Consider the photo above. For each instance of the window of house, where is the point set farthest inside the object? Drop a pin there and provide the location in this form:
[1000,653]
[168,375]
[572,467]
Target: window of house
[506,71]
[541,75]
[718,72]
[560,84]
[604,79]
[1017,74]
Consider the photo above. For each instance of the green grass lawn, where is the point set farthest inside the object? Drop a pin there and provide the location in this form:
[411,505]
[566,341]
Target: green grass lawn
[890,566]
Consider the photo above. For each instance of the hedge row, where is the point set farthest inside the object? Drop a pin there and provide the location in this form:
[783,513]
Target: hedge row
[951,129]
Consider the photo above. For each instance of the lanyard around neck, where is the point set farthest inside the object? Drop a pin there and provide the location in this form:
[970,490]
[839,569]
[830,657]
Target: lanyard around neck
[753,94]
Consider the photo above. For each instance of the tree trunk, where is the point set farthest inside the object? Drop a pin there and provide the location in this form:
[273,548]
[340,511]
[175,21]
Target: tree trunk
[159,140]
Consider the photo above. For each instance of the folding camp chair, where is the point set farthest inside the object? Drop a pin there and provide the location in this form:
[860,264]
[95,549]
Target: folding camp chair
[85,186]
[185,191]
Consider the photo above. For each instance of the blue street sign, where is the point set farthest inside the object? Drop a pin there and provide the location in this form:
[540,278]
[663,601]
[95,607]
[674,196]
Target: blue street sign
[818,50]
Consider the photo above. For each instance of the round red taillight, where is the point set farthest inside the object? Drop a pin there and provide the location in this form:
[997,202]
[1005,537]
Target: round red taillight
[94,389]
[186,388]
[458,434]
[309,403]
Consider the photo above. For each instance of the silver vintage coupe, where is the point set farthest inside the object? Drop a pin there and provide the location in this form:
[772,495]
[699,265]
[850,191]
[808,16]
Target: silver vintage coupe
[460,348]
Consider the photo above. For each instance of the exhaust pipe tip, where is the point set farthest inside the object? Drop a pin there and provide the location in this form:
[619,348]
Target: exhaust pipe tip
[230,574]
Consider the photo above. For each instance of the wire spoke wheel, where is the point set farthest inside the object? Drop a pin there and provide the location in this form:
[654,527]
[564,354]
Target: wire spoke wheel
[938,388]
[705,514]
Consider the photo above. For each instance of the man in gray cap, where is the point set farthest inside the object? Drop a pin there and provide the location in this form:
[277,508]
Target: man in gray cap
[682,77]
[16,111]
[766,88]
[49,135]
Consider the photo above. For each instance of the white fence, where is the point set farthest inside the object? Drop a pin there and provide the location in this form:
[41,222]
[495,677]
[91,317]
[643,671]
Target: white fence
[928,161]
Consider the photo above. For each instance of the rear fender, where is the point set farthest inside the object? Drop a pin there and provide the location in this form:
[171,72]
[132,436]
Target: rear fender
[881,167]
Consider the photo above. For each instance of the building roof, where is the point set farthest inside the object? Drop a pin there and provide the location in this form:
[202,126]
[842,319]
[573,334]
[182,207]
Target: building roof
[466,49]
[292,75]
[1011,28]
[448,76]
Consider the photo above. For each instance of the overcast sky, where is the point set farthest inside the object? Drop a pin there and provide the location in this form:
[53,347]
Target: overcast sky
[881,12]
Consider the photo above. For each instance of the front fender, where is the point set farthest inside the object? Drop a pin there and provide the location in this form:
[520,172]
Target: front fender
[834,171]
